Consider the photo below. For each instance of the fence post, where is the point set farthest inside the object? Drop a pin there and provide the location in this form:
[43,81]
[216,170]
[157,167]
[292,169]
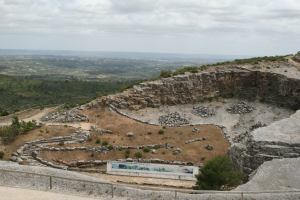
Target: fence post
[175,195]
[112,190]
[242,196]
[50,183]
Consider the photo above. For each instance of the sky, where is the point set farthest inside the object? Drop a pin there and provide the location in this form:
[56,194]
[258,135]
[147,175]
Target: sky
[226,27]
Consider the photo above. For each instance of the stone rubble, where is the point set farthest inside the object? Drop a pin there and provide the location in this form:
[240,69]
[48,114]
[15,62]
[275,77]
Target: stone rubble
[204,111]
[209,147]
[129,134]
[177,150]
[194,140]
[196,130]
[66,116]
[104,131]
[240,108]
[173,119]
[257,125]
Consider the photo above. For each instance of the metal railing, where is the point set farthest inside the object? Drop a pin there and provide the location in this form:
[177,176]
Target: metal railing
[241,193]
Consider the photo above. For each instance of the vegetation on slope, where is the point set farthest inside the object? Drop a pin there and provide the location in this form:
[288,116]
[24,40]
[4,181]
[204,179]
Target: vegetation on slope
[21,93]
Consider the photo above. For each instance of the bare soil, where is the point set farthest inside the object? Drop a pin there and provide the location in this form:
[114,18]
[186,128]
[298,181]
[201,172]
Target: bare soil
[176,136]
[54,131]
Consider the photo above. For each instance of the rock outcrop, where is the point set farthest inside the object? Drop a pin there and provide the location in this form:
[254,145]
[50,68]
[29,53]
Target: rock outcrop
[279,140]
[188,88]
[281,174]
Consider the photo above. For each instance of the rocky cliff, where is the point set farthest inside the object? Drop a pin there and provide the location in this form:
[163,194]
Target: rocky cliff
[189,88]
[279,140]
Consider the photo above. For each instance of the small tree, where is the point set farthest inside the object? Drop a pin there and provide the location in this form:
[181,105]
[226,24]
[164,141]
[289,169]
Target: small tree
[138,154]
[218,172]
[15,122]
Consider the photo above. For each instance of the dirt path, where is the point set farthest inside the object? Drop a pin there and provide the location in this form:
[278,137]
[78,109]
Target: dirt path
[293,62]
[37,116]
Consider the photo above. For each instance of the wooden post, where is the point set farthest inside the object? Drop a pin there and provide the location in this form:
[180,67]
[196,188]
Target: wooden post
[242,196]
[112,190]
[175,195]
[50,183]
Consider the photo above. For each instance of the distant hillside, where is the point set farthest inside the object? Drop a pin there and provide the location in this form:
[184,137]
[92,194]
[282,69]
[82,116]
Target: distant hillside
[22,93]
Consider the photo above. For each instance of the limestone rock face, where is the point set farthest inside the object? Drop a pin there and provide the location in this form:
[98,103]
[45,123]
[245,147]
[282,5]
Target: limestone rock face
[189,88]
[280,139]
[280,174]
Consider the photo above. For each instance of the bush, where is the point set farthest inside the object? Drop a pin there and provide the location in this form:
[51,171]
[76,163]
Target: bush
[164,127]
[126,155]
[110,147]
[92,155]
[155,147]
[1,154]
[120,148]
[149,133]
[218,172]
[98,141]
[66,125]
[163,152]
[90,139]
[174,153]
[161,131]
[138,154]
[5,113]
[146,149]
[104,143]
[127,151]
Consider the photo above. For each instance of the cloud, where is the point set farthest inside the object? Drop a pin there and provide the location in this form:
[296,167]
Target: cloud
[219,20]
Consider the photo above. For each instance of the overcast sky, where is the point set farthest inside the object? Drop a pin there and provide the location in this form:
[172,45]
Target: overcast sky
[231,27]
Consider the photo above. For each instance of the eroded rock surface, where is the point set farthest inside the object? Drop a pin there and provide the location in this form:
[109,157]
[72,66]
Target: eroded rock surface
[280,139]
[280,174]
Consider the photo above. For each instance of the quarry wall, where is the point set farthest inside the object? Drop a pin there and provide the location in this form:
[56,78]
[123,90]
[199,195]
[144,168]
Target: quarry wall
[234,82]
[249,150]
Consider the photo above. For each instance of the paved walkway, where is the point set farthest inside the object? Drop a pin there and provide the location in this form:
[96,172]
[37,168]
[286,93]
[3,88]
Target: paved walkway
[8,193]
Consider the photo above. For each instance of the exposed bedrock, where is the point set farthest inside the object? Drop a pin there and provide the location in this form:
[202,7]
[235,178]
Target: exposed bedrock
[280,139]
[189,88]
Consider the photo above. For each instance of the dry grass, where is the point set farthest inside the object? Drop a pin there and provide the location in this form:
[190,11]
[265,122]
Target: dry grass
[176,136]
[20,140]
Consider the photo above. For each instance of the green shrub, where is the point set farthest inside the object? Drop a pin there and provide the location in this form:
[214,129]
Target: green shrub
[174,153]
[164,127]
[104,143]
[120,148]
[163,152]
[110,147]
[65,125]
[161,131]
[127,151]
[1,154]
[203,158]
[138,154]
[218,172]
[149,133]
[98,141]
[127,155]
[92,155]
[155,147]
[146,149]
[90,139]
